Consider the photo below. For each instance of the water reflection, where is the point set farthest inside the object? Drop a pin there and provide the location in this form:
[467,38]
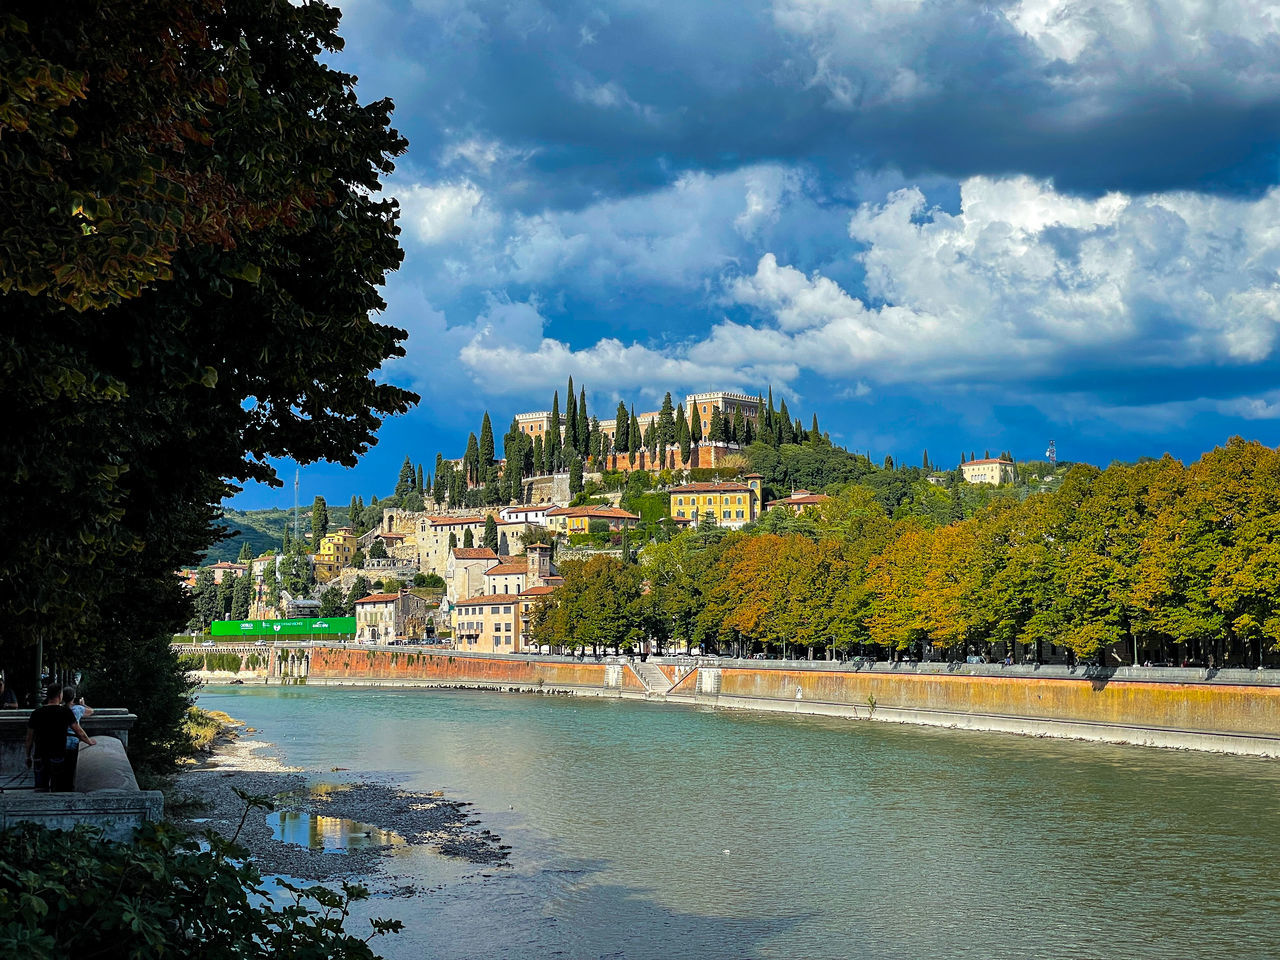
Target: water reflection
[328,834]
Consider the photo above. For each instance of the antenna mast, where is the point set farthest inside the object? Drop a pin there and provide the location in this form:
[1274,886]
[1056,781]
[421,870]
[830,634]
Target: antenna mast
[1052,454]
[296,475]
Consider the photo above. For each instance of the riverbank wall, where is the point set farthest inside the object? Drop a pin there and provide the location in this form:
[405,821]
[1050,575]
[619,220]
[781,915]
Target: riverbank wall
[1223,711]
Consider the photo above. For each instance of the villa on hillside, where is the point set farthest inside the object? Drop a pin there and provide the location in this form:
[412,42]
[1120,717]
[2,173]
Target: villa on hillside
[730,504]
[798,502]
[995,471]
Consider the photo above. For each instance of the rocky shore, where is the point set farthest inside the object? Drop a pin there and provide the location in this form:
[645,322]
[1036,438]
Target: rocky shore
[392,814]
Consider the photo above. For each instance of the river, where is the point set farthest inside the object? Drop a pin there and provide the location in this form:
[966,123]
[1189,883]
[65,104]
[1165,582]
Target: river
[653,831]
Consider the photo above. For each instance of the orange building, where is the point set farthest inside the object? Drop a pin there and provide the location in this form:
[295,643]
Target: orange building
[798,502]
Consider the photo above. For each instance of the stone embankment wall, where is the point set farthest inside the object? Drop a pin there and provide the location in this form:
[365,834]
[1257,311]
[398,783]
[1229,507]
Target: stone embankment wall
[1221,712]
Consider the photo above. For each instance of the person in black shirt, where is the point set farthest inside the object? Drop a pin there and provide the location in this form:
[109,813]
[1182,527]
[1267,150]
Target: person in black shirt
[47,741]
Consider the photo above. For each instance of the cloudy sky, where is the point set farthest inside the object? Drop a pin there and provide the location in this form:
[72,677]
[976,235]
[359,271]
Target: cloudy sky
[940,224]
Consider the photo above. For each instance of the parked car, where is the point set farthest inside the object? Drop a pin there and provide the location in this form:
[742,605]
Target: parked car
[261,643]
[208,643]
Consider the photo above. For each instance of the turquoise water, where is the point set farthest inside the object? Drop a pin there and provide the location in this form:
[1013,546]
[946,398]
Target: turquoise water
[652,831]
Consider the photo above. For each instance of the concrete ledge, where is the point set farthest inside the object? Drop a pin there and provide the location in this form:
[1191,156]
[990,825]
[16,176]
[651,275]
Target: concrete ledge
[1241,744]
[117,812]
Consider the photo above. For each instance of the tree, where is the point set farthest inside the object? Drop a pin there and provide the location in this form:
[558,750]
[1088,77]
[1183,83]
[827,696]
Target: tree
[575,476]
[467,539]
[554,438]
[353,514]
[486,445]
[786,430]
[739,428]
[682,433]
[622,427]
[319,521]
[490,533]
[419,485]
[331,604]
[453,541]
[205,594]
[695,425]
[232,152]
[471,461]
[360,589]
[357,559]
[271,583]
[242,596]
[571,418]
[584,423]
[378,549]
[635,437]
[404,483]
[667,421]
[717,432]
[539,458]
[246,553]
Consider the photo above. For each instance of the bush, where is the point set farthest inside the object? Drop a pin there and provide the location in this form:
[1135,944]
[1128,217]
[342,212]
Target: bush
[428,580]
[73,894]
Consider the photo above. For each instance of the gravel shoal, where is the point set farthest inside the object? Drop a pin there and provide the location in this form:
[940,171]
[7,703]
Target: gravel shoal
[420,819]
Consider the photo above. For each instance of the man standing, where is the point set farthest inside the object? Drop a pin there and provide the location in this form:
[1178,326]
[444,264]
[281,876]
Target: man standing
[8,699]
[47,740]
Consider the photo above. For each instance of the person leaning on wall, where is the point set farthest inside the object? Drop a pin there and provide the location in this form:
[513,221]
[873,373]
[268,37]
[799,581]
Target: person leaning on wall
[47,741]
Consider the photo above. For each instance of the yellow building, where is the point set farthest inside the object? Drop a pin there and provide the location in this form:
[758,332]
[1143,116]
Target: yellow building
[578,519]
[989,471]
[336,551]
[731,505]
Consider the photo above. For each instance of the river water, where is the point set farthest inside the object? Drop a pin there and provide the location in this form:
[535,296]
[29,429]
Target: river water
[653,831]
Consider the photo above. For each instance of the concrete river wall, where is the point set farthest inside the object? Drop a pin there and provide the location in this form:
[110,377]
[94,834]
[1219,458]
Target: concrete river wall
[1226,711]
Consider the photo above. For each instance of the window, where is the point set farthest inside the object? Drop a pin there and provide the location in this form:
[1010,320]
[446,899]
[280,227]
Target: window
[493,609]
[739,514]
[679,501]
[725,515]
[739,500]
[506,610]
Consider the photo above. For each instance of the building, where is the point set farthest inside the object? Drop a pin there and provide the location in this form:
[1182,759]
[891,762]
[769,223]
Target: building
[702,404]
[464,573]
[535,424]
[488,624]
[336,550]
[514,574]
[535,514]
[732,505]
[393,617]
[798,502]
[569,520]
[994,471]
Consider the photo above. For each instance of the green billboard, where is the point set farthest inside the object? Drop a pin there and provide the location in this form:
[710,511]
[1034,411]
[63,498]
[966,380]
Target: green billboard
[301,627]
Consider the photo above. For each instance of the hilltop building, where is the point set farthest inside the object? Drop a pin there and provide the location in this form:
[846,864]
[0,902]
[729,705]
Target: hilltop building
[336,551]
[994,471]
[798,502]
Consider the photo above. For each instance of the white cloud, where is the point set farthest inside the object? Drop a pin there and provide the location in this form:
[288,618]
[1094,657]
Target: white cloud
[447,211]
[884,51]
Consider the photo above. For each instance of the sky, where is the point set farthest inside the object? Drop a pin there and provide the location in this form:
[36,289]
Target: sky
[943,226]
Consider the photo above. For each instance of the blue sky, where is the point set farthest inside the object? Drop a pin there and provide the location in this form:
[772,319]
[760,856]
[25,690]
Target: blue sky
[939,225]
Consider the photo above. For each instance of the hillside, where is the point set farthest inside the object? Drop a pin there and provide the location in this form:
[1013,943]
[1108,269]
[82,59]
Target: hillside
[264,530]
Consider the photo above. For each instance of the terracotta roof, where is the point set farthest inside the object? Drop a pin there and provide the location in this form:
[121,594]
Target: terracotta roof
[390,536]
[556,581]
[990,460]
[474,553]
[529,508]
[224,565]
[680,519]
[379,598]
[798,499]
[545,546]
[480,601]
[595,510]
[712,488]
[506,569]
[454,521]
[537,591]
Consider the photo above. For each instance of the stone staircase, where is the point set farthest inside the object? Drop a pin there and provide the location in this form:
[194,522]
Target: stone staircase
[655,681]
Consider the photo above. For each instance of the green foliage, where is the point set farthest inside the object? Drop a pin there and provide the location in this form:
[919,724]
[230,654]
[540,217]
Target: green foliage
[173,168]
[67,893]
[377,549]
[490,533]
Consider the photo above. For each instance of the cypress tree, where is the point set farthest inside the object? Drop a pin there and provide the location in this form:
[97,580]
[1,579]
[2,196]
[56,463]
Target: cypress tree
[682,433]
[584,422]
[888,462]
[571,418]
[553,441]
[453,541]
[622,426]
[924,461]
[538,457]
[593,439]
[405,482]
[319,521]
[490,533]
[353,514]
[468,539]
[575,476]
[471,460]
[786,431]
[814,433]
[716,433]
[962,460]
[637,438]
[666,421]
[769,425]
[695,425]
[739,426]
[486,444]
[420,485]
[246,555]
[748,433]
[491,494]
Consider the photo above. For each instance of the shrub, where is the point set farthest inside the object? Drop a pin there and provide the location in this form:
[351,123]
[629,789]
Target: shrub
[73,894]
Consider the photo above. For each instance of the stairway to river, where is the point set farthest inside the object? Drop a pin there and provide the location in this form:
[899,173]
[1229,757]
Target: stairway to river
[654,680]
